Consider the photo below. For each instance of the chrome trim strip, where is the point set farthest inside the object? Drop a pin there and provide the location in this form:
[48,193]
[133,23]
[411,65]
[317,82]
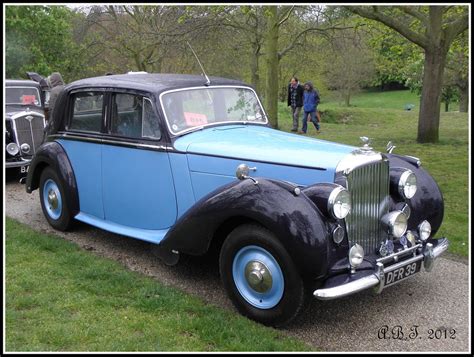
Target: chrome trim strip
[403,263]
[209,87]
[109,141]
[23,162]
[399,254]
[26,112]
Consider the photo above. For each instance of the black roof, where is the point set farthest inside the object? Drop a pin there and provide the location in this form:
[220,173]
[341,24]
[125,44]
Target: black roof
[21,83]
[151,82]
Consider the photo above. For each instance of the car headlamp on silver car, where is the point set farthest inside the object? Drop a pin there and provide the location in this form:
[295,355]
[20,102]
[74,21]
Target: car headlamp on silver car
[339,203]
[407,184]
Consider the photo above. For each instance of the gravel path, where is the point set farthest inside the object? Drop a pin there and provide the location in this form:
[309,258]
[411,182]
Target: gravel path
[436,300]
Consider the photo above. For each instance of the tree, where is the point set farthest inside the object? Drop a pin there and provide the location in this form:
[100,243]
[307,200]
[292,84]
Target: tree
[40,39]
[277,16]
[457,70]
[433,28]
[349,65]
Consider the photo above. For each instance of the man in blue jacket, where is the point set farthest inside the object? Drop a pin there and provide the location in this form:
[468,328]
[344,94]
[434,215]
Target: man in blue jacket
[310,105]
[295,100]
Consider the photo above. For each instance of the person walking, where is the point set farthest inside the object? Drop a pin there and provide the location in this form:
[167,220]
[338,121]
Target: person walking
[56,83]
[295,101]
[310,106]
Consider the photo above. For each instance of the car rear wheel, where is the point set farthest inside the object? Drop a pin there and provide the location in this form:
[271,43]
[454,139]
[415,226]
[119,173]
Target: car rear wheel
[260,276]
[53,200]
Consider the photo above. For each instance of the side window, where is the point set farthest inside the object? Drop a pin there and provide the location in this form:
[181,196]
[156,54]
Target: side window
[151,127]
[87,112]
[133,117]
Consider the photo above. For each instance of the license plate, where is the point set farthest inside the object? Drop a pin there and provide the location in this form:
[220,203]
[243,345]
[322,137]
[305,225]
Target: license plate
[24,169]
[403,272]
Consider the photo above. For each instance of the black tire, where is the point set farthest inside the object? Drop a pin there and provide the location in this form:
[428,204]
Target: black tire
[280,311]
[63,220]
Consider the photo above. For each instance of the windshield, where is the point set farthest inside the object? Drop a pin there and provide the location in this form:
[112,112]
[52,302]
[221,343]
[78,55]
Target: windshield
[197,107]
[23,96]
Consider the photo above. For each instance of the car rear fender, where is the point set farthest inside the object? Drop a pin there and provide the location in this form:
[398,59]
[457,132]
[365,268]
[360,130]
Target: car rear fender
[53,154]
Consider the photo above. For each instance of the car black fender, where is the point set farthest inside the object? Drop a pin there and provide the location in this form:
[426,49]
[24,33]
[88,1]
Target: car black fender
[291,216]
[53,154]
[427,203]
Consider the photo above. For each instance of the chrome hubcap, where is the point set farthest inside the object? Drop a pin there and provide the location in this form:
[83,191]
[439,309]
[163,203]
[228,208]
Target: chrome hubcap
[258,276]
[52,199]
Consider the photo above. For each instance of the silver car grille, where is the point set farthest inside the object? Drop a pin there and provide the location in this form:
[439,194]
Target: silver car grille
[29,130]
[369,187]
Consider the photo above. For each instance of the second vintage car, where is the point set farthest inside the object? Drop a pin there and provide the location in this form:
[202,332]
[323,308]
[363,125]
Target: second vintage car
[191,164]
[24,122]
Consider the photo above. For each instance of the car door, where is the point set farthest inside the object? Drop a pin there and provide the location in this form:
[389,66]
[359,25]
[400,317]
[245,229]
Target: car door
[137,183]
[82,144]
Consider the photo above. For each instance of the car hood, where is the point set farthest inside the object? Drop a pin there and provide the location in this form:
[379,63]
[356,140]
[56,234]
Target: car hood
[261,143]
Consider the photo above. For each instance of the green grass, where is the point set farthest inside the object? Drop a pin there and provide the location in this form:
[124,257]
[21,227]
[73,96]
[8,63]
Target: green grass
[381,117]
[60,298]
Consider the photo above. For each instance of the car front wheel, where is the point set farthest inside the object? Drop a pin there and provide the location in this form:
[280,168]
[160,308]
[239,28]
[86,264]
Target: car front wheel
[260,276]
[53,200]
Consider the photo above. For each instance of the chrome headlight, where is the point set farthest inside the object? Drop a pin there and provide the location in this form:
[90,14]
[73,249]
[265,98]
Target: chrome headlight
[424,230]
[396,222]
[13,149]
[356,255]
[407,184]
[339,203]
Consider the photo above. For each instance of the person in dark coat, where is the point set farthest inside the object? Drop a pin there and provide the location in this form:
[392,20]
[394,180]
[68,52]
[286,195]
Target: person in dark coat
[310,105]
[56,83]
[295,100]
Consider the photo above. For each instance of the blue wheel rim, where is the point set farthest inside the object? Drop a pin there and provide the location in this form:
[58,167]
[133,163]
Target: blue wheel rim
[52,199]
[262,300]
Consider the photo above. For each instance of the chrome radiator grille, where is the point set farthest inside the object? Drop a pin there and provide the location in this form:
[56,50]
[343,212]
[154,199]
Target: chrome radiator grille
[369,187]
[30,131]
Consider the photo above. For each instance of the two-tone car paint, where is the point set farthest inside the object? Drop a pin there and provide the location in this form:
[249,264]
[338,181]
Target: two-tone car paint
[180,191]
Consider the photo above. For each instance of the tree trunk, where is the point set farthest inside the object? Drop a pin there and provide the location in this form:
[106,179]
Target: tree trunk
[271,54]
[428,122]
[464,99]
[446,106]
[254,67]
[347,98]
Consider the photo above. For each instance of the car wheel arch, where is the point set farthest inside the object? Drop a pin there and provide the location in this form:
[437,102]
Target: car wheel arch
[52,154]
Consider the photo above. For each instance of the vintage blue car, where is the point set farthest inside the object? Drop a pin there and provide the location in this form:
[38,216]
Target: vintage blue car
[192,165]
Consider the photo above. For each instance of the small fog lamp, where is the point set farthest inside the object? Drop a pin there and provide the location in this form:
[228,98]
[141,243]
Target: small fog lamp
[356,256]
[424,230]
[25,148]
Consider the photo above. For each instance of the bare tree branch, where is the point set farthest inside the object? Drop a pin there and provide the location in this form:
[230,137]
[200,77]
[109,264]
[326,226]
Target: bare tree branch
[456,28]
[286,17]
[374,13]
[294,42]
[409,10]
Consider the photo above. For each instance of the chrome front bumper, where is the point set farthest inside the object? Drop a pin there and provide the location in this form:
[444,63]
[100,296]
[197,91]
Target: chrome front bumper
[11,164]
[377,279]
